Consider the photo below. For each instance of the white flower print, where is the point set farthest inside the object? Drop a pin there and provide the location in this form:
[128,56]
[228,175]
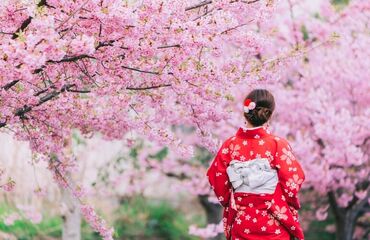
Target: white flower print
[280,212]
[257,136]
[235,150]
[261,142]
[287,156]
[250,205]
[245,142]
[225,151]
[292,228]
[242,158]
[273,221]
[238,221]
[248,217]
[277,231]
[254,220]
[263,228]
[247,231]
[218,174]
[251,153]
[294,182]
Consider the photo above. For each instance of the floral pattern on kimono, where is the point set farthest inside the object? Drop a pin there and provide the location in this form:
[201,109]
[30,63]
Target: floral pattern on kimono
[254,216]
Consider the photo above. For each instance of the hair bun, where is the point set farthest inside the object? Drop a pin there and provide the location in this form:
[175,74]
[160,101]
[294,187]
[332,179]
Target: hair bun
[265,105]
[263,114]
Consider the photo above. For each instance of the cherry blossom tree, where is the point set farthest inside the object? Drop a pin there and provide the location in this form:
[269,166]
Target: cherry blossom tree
[118,67]
[322,106]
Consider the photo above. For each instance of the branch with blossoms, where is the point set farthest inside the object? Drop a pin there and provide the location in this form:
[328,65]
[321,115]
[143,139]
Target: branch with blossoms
[95,221]
[108,67]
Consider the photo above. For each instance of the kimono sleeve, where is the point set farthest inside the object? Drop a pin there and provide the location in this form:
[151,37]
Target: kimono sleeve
[290,172]
[217,175]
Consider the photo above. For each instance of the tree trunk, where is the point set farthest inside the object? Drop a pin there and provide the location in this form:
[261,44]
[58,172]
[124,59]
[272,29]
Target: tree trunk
[213,213]
[345,218]
[71,218]
[345,226]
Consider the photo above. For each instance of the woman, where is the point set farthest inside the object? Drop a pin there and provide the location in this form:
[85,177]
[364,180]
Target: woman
[256,178]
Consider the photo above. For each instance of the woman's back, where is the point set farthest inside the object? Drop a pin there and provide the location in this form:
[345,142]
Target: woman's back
[256,178]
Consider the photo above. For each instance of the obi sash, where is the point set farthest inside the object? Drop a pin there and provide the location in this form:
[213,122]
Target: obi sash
[254,176]
[257,177]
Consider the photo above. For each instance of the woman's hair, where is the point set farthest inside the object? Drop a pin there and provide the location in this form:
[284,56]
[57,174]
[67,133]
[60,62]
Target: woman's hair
[265,105]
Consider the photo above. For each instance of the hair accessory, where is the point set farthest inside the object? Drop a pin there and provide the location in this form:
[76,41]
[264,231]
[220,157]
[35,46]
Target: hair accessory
[248,105]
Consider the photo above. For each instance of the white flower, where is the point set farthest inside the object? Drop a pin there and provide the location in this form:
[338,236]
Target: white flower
[263,228]
[261,142]
[225,151]
[247,231]
[277,231]
[245,142]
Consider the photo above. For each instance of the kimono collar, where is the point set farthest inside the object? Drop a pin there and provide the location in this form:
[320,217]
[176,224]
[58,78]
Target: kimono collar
[256,132]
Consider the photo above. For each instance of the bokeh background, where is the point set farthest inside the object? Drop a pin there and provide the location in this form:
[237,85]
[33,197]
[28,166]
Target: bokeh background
[146,191]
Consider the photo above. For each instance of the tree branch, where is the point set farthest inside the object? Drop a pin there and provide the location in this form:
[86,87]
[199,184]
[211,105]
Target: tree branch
[170,46]
[27,22]
[20,112]
[9,85]
[149,87]
[71,58]
[198,5]
[139,70]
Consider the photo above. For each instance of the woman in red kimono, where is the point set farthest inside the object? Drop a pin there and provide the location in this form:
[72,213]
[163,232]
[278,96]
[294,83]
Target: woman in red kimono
[256,178]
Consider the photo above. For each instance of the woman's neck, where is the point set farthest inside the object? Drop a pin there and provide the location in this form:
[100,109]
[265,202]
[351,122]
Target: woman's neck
[248,125]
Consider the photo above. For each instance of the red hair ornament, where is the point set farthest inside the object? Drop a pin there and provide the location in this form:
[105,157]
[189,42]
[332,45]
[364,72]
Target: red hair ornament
[249,105]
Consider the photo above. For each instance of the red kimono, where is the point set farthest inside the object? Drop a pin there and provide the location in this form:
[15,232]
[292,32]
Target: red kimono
[258,214]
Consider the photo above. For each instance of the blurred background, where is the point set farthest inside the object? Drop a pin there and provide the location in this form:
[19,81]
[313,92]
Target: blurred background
[145,191]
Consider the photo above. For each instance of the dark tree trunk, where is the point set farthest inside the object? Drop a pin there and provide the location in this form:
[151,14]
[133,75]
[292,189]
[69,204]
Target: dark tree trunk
[346,218]
[345,225]
[213,213]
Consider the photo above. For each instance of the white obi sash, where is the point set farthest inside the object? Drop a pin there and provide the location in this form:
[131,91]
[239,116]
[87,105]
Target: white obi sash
[254,176]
